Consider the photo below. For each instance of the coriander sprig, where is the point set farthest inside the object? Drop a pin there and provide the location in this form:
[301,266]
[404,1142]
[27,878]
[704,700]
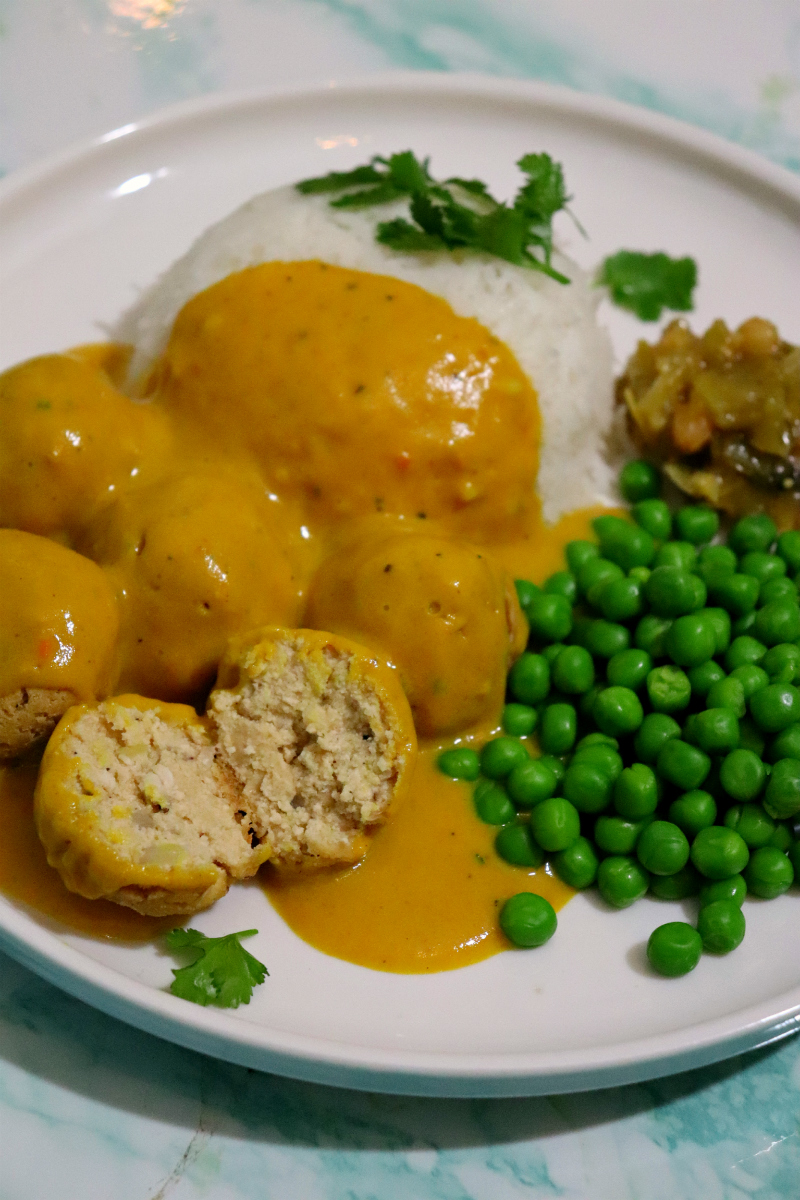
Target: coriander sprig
[648,283]
[456,213]
[223,974]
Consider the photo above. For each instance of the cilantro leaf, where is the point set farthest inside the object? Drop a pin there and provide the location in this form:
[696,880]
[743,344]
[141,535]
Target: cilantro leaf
[456,214]
[648,283]
[336,180]
[223,973]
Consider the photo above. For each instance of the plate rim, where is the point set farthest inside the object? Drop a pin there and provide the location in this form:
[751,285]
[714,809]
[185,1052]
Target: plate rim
[213,1031]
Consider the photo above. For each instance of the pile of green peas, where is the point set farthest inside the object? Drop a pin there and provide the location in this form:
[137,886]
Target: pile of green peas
[661,683]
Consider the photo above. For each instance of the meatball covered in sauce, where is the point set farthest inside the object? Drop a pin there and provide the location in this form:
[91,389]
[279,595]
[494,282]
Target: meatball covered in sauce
[442,611]
[196,559]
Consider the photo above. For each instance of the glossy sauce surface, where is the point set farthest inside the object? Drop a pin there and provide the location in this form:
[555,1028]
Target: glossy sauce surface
[427,894]
[367,400]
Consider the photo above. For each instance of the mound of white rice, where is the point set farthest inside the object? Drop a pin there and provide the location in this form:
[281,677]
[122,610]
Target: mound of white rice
[551,328]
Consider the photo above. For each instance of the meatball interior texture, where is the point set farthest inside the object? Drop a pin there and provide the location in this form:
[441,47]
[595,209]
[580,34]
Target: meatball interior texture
[134,804]
[320,736]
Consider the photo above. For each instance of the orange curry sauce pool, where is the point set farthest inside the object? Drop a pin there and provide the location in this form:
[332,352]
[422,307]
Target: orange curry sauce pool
[426,896]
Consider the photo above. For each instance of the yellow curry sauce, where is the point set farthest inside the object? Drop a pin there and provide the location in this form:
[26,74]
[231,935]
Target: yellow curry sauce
[295,406]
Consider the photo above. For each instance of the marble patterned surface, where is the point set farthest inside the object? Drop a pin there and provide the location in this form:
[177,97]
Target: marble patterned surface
[93,1110]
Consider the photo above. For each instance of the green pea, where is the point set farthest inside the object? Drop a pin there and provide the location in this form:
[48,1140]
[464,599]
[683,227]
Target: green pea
[778,621]
[720,621]
[555,823]
[579,552]
[531,782]
[596,571]
[639,574]
[558,729]
[636,792]
[743,625]
[669,689]
[639,480]
[604,639]
[573,670]
[623,543]
[622,880]
[662,848]
[677,554]
[630,545]
[721,926]
[775,707]
[751,677]
[715,563]
[596,739]
[620,600]
[786,744]
[651,635]
[693,811]
[738,593]
[779,588]
[769,873]
[717,730]
[674,949]
[615,835]
[757,532]
[586,702]
[670,592]
[629,668]
[782,663]
[604,757]
[528,920]
[519,719]
[550,653]
[550,617]
[744,650]
[515,844]
[718,852]
[654,516]
[700,592]
[727,693]
[703,677]
[692,640]
[751,737]
[529,678]
[492,804]
[684,765]
[750,822]
[501,755]
[733,887]
[782,795]
[696,523]
[459,763]
[742,775]
[655,731]
[525,592]
[762,566]
[782,837]
[789,549]
[682,884]
[555,764]
[577,865]
[563,583]
[618,710]
[587,786]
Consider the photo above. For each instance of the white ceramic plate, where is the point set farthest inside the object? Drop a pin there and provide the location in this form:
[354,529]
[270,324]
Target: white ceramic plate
[82,233]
